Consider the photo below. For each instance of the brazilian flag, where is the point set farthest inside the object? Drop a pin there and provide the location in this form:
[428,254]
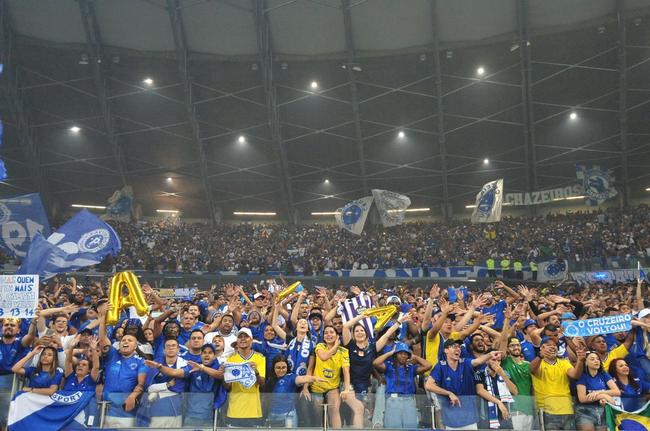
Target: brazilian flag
[618,419]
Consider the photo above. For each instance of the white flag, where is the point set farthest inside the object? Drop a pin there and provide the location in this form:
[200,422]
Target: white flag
[488,203]
[239,372]
[391,206]
[352,217]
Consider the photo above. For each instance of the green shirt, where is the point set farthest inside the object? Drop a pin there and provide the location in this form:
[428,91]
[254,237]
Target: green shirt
[520,375]
[518,266]
[505,264]
[490,263]
[533,266]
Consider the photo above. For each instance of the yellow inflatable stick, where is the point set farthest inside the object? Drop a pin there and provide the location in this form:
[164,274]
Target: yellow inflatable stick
[287,291]
[134,296]
[383,315]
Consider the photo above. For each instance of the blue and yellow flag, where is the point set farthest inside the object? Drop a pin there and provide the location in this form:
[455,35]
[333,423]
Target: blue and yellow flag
[620,420]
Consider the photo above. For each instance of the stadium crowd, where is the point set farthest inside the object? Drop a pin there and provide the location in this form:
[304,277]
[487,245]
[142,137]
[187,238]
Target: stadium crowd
[588,238]
[488,360]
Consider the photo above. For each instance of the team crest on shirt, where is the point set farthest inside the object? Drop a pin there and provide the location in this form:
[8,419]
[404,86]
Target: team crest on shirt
[133,366]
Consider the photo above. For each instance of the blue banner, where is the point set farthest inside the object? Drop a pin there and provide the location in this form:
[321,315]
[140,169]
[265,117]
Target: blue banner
[597,326]
[83,241]
[21,218]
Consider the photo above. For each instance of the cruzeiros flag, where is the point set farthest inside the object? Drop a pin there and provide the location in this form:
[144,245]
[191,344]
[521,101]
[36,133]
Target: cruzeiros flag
[352,217]
[488,203]
[43,413]
[620,420]
[391,206]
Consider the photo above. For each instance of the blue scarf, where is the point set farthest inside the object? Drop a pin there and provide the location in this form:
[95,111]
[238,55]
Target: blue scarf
[298,354]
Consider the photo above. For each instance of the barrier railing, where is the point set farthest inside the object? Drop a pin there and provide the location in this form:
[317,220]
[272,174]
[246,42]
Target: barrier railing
[196,411]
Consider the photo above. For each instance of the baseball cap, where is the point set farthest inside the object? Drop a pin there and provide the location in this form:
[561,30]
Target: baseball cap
[402,347]
[245,331]
[257,295]
[529,322]
[643,313]
[568,316]
[450,343]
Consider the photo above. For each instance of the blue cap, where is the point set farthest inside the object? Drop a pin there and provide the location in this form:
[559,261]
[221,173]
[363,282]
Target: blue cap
[402,347]
[529,322]
[568,315]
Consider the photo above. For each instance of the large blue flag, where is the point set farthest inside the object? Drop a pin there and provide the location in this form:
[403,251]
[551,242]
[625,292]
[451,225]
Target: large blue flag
[83,241]
[21,218]
[29,411]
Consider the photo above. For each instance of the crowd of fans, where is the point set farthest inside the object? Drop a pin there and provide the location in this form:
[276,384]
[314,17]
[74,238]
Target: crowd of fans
[489,359]
[314,248]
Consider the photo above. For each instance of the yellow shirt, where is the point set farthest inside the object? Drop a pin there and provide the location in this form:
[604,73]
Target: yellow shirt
[245,403]
[616,353]
[329,370]
[552,387]
[432,348]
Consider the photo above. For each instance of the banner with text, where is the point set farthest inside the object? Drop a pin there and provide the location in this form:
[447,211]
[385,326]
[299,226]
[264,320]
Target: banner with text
[18,296]
[597,326]
[542,196]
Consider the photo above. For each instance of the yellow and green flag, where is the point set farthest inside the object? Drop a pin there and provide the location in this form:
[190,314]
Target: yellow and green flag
[620,420]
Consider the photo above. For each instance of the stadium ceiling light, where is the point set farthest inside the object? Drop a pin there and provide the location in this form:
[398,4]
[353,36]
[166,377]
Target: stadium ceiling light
[170,179]
[167,211]
[470,206]
[94,207]
[572,198]
[327,181]
[241,139]
[148,81]
[647,189]
[573,115]
[254,213]
[75,129]
[411,210]
[324,213]
[401,134]
[314,85]
[480,71]
[486,161]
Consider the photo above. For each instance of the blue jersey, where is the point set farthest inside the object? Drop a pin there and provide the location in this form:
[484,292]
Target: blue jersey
[120,378]
[205,394]
[184,352]
[400,379]
[594,383]
[460,382]
[270,349]
[284,395]
[43,379]
[87,384]
[497,310]
[167,405]
[10,353]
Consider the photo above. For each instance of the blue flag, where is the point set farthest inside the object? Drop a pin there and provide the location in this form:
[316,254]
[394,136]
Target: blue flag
[29,411]
[83,241]
[642,275]
[21,218]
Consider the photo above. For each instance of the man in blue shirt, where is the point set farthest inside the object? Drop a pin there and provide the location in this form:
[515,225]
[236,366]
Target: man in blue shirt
[12,349]
[124,377]
[453,380]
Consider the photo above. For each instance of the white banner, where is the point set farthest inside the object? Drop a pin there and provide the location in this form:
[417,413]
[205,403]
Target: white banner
[391,206]
[18,296]
[352,217]
[488,203]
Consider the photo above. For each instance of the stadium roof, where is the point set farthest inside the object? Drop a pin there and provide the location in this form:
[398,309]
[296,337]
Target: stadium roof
[319,89]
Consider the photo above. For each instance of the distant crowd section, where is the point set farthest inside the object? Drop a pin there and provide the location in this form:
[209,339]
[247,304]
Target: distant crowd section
[591,239]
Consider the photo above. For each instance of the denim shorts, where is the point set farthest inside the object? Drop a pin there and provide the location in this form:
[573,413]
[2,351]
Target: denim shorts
[590,415]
